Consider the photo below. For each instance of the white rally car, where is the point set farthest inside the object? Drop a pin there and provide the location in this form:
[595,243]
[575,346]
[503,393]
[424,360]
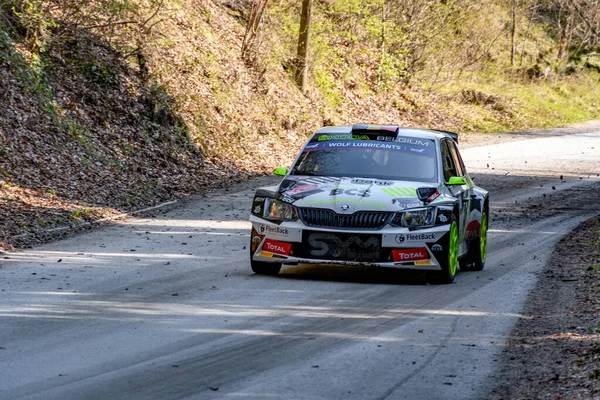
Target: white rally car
[376,196]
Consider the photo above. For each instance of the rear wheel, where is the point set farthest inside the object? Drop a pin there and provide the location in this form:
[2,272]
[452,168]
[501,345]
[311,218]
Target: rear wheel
[475,260]
[263,268]
[449,259]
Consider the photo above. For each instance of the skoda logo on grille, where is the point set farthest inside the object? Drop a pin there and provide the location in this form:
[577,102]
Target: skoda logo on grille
[345,207]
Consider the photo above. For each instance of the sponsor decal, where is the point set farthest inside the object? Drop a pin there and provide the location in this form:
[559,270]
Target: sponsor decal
[414,237]
[423,262]
[276,247]
[350,192]
[368,145]
[400,192]
[443,218]
[400,239]
[284,197]
[265,254]
[256,239]
[404,206]
[259,199]
[386,138]
[413,141]
[311,146]
[436,247]
[276,230]
[473,229]
[340,142]
[434,196]
[359,181]
[352,248]
[300,189]
[410,254]
[342,137]
[303,194]
[257,209]
[332,201]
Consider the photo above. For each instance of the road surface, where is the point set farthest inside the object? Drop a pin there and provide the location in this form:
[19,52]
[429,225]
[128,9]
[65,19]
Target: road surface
[168,308]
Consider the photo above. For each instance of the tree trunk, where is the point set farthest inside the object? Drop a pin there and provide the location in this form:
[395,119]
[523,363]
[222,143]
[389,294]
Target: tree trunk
[513,31]
[303,46]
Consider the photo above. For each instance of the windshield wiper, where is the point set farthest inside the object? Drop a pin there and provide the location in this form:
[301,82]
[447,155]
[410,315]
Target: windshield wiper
[297,173]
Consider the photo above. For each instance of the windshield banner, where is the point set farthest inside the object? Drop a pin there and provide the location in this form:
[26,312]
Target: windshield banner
[423,147]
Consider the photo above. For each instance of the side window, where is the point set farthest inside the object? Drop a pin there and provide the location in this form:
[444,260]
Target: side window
[447,161]
[460,167]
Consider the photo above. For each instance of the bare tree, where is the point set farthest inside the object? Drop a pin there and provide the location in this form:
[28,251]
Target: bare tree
[256,14]
[303,45]
[513,30]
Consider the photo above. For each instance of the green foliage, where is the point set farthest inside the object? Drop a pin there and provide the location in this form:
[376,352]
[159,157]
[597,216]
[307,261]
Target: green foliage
[344,34]
[81,213]
[594,330]
[31,19]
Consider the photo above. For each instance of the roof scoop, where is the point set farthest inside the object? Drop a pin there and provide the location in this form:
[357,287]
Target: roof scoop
[427,194]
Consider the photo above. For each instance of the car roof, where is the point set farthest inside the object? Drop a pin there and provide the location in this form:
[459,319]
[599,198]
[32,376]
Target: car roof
[388,130]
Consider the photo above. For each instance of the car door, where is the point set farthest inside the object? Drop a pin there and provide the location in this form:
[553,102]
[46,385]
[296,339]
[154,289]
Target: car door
[453,167]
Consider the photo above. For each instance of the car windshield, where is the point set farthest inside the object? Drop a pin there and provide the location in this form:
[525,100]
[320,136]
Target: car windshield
[407,159]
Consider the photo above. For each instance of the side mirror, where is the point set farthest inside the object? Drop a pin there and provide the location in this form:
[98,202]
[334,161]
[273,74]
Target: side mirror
[457,180]
[281,171]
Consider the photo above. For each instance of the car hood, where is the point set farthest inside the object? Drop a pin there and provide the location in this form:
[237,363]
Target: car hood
[348,195]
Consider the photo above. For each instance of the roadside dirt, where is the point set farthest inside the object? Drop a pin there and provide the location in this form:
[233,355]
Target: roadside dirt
[554,350]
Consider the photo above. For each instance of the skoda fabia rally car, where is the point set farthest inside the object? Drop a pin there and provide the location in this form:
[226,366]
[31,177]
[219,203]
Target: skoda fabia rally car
[375,196]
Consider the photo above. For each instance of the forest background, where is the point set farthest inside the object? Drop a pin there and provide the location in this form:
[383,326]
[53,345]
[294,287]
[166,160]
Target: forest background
[110,106]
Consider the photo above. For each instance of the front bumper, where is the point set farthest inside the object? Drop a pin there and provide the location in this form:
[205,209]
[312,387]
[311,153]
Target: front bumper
[296,243]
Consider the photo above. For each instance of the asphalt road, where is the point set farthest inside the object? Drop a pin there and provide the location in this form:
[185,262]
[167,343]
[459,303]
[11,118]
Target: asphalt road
[168,308]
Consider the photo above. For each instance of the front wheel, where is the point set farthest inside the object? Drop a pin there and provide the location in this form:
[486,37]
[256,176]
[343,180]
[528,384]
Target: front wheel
[263,268]
[449,259]
[475,260]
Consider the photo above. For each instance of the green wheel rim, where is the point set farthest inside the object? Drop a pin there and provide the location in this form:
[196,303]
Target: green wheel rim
[453,249]
[483,236]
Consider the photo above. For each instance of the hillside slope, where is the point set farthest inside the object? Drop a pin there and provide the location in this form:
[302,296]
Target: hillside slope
[114,109]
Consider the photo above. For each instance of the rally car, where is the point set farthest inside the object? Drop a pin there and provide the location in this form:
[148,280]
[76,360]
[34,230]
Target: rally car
[373,196]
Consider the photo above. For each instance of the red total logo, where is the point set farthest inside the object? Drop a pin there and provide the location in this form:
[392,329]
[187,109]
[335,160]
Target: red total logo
[410,254]
[276,247]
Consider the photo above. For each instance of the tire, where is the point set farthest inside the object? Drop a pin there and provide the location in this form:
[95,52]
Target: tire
[449,260]
[475,260]
[264,268]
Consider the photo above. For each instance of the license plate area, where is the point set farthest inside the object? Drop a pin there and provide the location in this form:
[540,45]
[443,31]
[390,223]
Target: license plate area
[341,246]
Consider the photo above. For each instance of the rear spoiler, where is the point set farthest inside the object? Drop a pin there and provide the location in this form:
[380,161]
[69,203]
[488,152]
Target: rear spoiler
[453,135]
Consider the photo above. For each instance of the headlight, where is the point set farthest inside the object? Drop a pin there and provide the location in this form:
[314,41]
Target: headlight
[415,218]
[280,211]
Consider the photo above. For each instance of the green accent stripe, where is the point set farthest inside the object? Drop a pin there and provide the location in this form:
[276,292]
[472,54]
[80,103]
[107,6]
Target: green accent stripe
[400,192]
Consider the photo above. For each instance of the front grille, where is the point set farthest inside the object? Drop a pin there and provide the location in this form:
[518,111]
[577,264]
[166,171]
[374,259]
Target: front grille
[321,218]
